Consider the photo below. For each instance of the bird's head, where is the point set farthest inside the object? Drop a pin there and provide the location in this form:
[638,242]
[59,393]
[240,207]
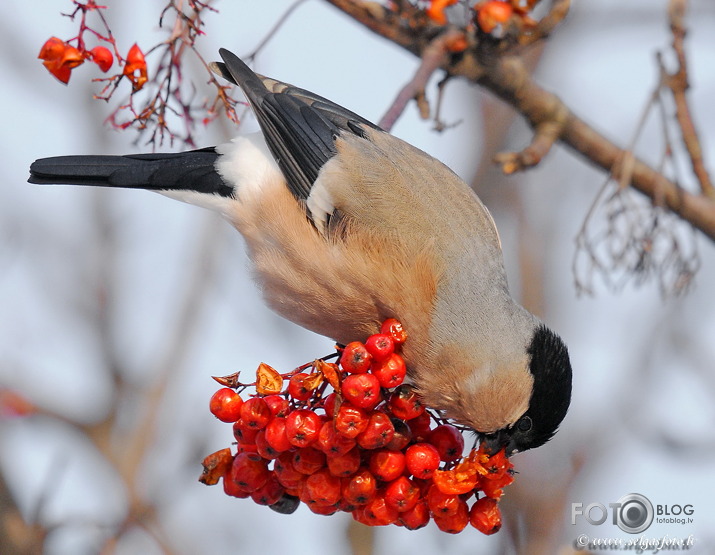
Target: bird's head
[518,404]
[550,367]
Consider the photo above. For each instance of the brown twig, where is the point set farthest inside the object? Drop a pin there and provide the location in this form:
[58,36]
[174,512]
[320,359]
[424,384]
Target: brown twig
[559,10]
[434,56]
[505,76]
[678,83]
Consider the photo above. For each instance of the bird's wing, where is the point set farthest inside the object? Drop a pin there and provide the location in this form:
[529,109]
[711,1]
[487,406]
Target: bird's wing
[300,127]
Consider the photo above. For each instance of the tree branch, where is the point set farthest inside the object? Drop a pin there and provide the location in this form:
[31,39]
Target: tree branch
[678,84]
[503,73]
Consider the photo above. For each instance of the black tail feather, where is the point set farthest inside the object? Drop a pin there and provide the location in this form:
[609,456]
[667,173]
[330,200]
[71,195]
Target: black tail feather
[194,171]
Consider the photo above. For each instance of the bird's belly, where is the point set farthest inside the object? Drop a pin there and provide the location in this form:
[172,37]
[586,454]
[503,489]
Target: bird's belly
[341,287]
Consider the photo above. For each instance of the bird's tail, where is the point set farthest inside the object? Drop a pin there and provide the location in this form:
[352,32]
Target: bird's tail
[194,170]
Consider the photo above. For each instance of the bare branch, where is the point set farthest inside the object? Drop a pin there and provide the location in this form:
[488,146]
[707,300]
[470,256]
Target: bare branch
[678,83]
[557,13]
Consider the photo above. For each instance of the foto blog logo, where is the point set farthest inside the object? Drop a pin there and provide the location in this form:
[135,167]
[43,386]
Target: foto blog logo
[633,513]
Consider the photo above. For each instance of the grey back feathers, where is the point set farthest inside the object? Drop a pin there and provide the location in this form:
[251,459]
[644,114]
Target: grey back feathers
[299,127]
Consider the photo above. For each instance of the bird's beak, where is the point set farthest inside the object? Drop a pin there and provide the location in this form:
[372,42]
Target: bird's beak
[496,441]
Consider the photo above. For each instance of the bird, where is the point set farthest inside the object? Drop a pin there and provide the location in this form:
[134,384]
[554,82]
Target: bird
[347,225]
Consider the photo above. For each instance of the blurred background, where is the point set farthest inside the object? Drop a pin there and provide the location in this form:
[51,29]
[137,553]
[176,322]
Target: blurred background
[117,306]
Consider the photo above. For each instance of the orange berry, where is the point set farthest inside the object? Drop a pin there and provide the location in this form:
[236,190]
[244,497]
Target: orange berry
[102,56]
[492,14]
[485,516]
[135,68]
[435,11]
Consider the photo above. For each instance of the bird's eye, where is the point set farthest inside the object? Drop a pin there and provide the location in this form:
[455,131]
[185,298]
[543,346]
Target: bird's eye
[524,424]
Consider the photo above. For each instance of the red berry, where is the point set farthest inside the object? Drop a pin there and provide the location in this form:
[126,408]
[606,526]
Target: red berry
[102,56]
[286,473]
[497,465]
[456,522]
[60,58]
[302,427]
[53,49]
[325,510]
[277,404]
[493,488]
[420,426]
[395,330]
[360,488]
[247,448]
[255,413]
[308,460]
[249,471]
[276,435]
[343,505]
[417,517]
[135,68]
[329,404]
[225,405]
[331,442]
[380,346]
[362,390]
[297,387]
[378,513]
[402,494]
[387,465]
[350,420]
[263,448]
[404,402]
[492,14]
[440,503]
[448,441]
[345,465]
[402,436]
[232,488]
[355,358]
[485,516]
[422,460]
[390,372]
[244,434]
[378,433]
[323,487]
[269,493]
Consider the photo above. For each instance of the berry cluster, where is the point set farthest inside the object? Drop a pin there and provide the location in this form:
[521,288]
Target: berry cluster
[168,106]
[60,58]
[353,437]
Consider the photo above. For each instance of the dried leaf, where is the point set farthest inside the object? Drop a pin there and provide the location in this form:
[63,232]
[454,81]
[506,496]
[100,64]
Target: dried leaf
[312,381]
[216,465]
[268,380]
[330,371]
[228,381]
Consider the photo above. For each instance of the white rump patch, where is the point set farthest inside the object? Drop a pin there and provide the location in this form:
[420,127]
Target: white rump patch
[247,164]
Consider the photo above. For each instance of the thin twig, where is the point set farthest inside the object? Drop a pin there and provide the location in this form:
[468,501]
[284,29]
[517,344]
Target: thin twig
[678,83]
[276,27]
[434,56]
